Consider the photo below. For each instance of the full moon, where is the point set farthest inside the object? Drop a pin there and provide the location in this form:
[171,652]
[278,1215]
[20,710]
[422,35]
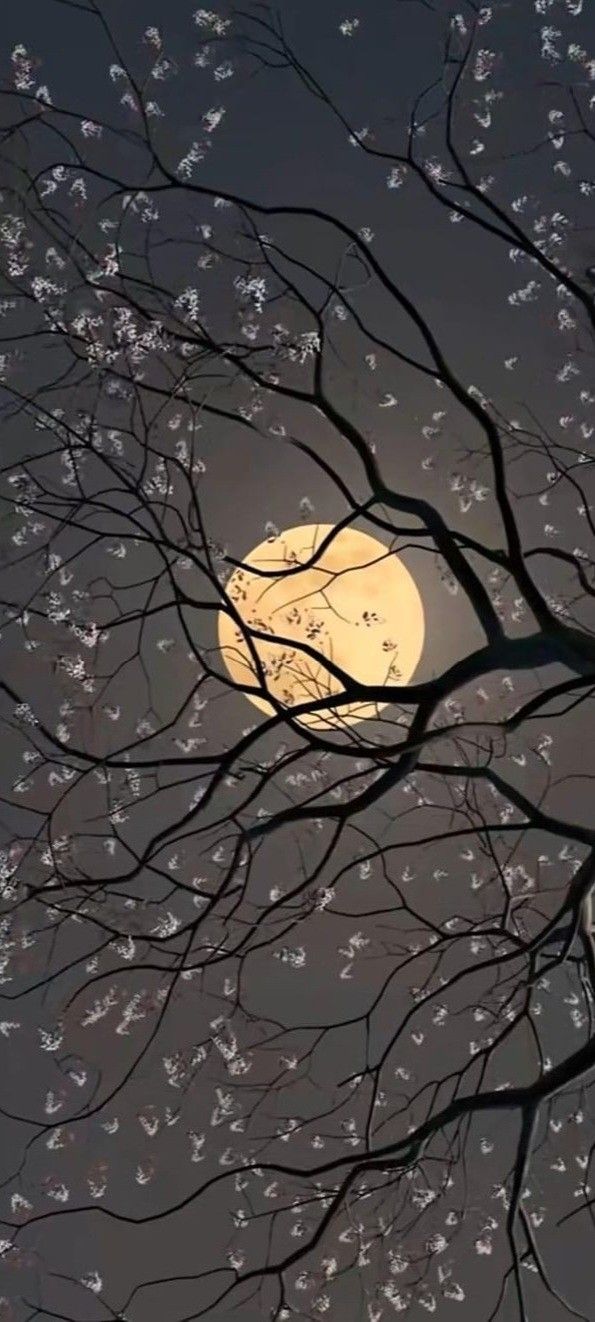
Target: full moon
[357,606]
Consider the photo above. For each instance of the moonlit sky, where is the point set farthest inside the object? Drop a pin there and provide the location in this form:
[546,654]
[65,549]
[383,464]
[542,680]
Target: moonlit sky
[280,148]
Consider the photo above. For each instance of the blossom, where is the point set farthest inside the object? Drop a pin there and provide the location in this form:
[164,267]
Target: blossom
[348,26]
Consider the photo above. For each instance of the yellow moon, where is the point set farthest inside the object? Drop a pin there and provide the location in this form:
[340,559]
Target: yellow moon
[357,605]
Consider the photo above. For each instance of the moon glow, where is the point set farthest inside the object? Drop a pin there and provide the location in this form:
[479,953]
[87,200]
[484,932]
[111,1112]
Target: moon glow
[357,606]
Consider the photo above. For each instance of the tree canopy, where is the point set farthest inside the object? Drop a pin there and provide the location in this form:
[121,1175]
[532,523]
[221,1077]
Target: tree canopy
[303,1014]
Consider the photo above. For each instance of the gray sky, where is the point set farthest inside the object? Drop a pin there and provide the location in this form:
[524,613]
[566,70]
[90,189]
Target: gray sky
[280,146]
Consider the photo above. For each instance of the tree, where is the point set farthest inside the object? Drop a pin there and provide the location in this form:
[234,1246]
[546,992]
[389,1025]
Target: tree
[328,992]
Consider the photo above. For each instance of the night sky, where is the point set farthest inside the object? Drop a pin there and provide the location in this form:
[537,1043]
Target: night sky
[114,1112]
